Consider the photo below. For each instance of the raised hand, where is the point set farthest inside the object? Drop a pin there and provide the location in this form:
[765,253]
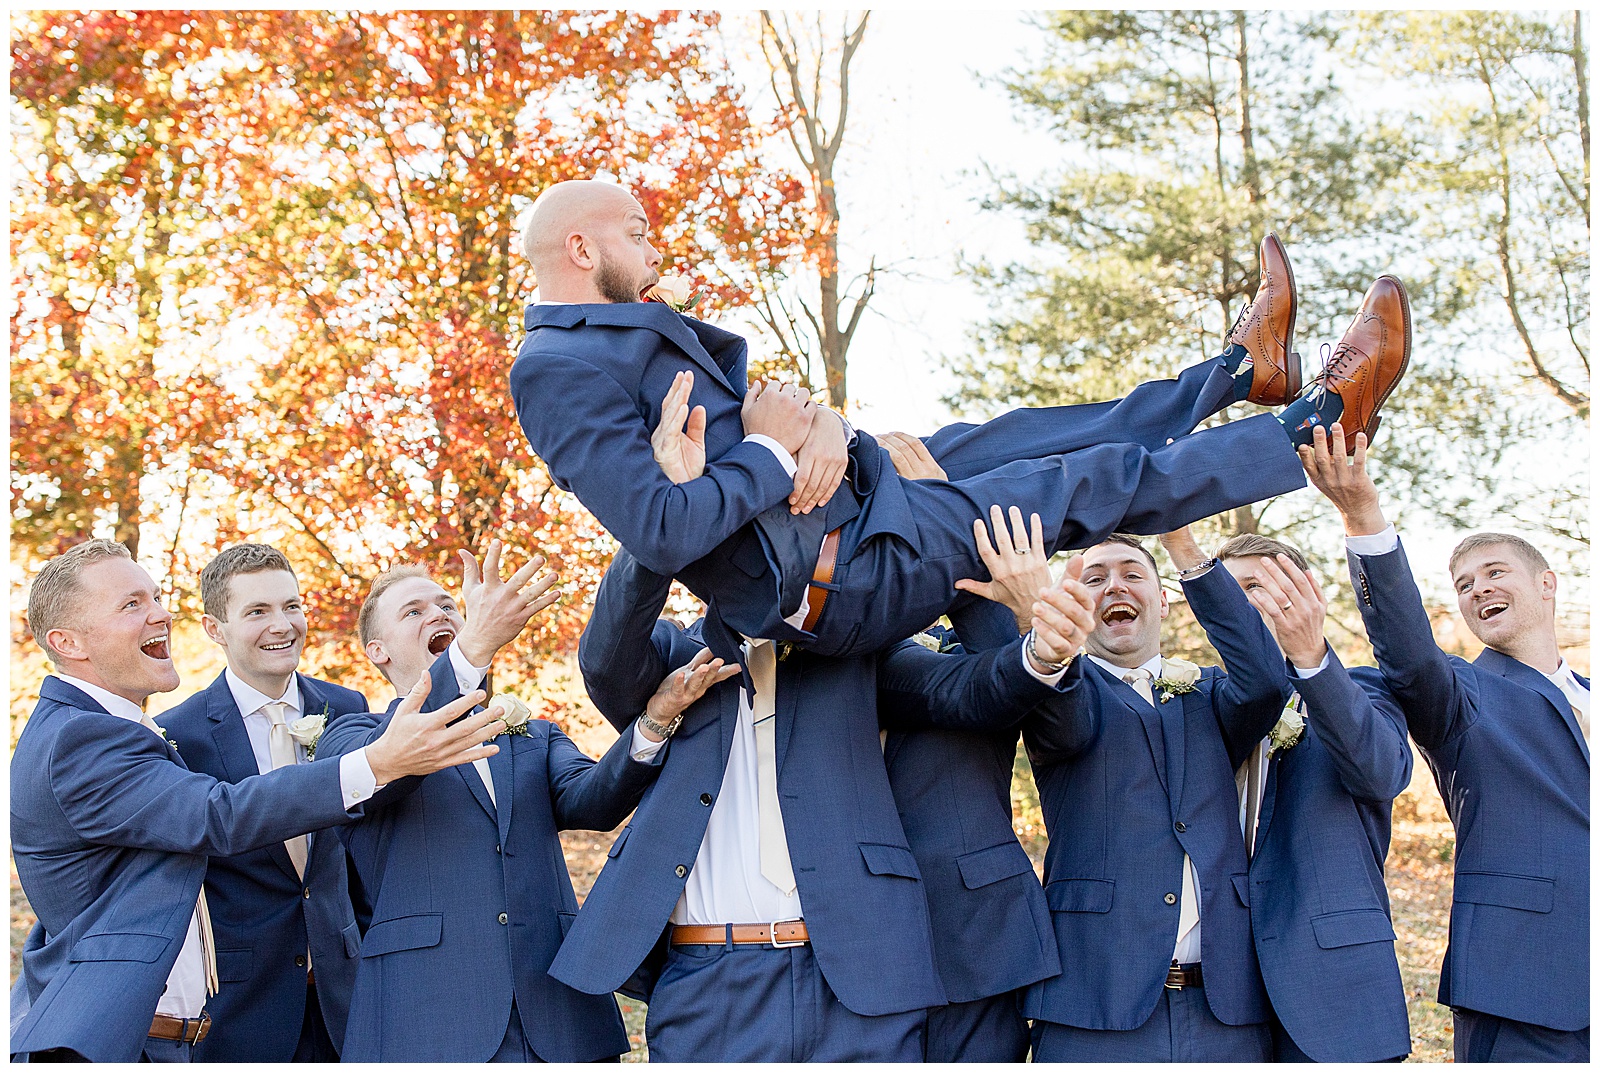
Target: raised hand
[1294,608]
[911,457]
[1063,615]
[683,687]
[1018,566]
[496,610]
[679,441]
[1182,548]
[419,743]
[781,412]
[1345,482]
[821,462]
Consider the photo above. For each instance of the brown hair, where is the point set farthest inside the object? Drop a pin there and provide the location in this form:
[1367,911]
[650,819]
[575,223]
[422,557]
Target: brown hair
[1131,541]
[366,625]
[53,600]
[217,578]
[1250,545]
[1531,556]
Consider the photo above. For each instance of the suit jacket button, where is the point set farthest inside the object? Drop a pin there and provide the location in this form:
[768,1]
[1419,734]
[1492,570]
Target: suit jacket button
[1180,827]
[502,918]
[705,799]
[1170,899]
[680,871]
[497,849]
[300,961]
[308,893]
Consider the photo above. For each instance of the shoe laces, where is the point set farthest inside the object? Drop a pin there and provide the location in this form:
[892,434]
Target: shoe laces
[1244,313]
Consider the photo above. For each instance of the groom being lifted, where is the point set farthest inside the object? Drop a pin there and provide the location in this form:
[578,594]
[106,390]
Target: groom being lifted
[601,371]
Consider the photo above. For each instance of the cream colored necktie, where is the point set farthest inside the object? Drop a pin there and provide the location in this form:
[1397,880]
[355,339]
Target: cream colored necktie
[281,748]
[1250,777]
[1580,710]
[208,945]
[1189,907]
[1140,681]
[775,864]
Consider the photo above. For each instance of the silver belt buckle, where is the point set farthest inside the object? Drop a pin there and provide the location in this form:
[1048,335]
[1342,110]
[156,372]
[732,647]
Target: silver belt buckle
[772,932]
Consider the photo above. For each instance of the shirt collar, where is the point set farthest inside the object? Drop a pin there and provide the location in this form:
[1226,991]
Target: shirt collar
[249,699]
[1153,665]
[121,707]
[1564,679]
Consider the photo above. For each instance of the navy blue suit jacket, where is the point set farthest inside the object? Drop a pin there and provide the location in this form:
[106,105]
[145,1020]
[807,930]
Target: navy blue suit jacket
[262,919]
[1513,769]
[859,883]
[1318,906]
[471,897]
[110,833]
[991,927]
[1127,788]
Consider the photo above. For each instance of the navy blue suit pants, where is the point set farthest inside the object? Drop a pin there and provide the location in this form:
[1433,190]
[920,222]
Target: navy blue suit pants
[759,1004]
[1181,1029]
[1483,1037]
[985,1030]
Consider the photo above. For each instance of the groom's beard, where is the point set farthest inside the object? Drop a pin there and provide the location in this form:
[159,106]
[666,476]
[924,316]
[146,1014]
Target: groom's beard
[613,283]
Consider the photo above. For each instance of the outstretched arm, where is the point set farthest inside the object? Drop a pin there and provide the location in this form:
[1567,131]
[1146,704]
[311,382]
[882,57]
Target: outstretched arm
[1415,669]
[601,450]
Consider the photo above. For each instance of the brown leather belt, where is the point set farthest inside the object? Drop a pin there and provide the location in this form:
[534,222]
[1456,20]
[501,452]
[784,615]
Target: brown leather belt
[827,559]
[187,1029]
[779,934]
[1182,976]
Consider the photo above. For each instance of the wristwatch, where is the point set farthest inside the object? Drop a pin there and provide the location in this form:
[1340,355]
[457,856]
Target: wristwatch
[1197,569]
[666,731]
[1050,666]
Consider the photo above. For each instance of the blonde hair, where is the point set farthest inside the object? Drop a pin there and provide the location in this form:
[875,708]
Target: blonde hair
[53,600]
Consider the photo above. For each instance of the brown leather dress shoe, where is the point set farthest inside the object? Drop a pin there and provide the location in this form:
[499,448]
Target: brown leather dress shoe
[1371,358]
[1266,329]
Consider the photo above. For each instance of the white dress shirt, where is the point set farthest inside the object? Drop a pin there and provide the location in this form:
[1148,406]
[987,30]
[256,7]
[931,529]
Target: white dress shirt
[726,885]
[1186,951]
[185,993]
[250,701]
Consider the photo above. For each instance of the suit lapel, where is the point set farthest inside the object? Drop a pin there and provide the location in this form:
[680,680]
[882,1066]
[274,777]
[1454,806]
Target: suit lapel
[1174,726]
[468,774]
[1269,799]
[653,315]
[1515,670]
[787,683]
[238,758]
[502,768]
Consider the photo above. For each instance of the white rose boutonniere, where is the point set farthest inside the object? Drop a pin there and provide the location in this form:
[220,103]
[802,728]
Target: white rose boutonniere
[1177,676]
[927,640]
[1291,727]
[307,730]
[513,712]
[674,291]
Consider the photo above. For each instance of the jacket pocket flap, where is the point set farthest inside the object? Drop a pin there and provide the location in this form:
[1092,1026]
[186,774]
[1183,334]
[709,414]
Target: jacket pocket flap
[993,864]
[119,946]
[352,940]
[1241,887]
[1355,926]
[889,860]
[403,933]
[234,966]
[622,839]
[1533,893]
[1080,895]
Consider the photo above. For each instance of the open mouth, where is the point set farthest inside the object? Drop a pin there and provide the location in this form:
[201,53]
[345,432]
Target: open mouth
[1119,613]
[156,648]
[1489,611]
[281,646]
[440,641]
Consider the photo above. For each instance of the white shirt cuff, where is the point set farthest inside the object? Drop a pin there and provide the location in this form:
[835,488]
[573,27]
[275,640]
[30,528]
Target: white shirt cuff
[1047,679]
[1374,543]
[468,677]
[785,459]
[356,781]
[1307,672]
[644,750]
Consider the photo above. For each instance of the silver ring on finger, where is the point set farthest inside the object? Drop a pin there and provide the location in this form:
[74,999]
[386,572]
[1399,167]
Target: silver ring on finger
[1286,607]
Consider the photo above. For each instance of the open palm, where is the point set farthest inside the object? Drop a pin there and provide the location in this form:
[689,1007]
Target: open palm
[679,441]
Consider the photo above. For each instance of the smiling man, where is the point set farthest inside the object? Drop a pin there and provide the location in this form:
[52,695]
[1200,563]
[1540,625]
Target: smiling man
[1146,874]
[110,830]
[287,940]
[1507,736]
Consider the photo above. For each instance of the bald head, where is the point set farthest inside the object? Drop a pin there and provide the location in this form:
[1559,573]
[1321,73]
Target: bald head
[588,241]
